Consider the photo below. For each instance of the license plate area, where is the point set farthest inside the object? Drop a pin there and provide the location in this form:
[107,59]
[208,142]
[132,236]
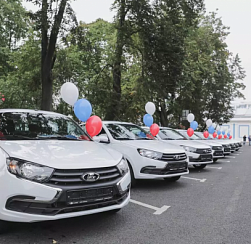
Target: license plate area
[218,153]
[206,158]
[89,195]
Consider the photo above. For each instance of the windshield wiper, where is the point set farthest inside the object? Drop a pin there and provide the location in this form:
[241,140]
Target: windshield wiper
[144,139]
[58,138]
[124,139]
[20,137]
[168,139]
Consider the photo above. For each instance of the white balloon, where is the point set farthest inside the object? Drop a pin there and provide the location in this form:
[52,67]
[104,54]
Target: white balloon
[214,125]
[69,93]
[190,117]
[218,127]
[150,108]
[209,122]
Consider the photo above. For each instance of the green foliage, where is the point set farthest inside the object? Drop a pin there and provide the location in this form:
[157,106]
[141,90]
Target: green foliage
[168,52]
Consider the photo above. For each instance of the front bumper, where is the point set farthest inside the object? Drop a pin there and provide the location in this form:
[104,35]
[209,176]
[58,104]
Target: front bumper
[218,154]
[170,170]
[27,201]
[195,158]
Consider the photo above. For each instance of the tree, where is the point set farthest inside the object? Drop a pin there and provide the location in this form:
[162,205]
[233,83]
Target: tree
[212,75]
[49,20]
[13,26]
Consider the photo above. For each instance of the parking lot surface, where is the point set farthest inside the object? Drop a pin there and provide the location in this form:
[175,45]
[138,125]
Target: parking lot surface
[207,206]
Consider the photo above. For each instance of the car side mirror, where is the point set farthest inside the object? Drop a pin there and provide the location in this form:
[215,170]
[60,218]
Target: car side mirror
[101,139]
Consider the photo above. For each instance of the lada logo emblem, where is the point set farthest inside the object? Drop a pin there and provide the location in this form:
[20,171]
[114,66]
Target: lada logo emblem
[90,177]
[176,157]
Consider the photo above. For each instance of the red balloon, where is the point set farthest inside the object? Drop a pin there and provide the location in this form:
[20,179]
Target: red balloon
[214,135]
[220,136]
[3,99]
[93,125]
[230,137]
[190,132]
[225,136]
[206,134]
[154,129]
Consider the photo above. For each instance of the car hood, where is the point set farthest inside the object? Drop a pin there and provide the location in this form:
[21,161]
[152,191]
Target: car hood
[188,143]
[155,145]
[210,143]
[62,154]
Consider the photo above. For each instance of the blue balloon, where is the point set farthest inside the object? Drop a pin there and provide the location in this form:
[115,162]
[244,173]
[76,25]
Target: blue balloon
[194,125]
[211,129]
[83,109]
[223,132]
[228,134]
[148,120]
[219,132]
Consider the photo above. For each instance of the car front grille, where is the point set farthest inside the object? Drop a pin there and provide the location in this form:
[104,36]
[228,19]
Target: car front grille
[217,148]
[174,157]
[73,177]
[204,151]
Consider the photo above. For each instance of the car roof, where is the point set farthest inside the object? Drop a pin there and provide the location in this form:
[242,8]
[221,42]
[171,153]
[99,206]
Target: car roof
[13,110]
[117,122]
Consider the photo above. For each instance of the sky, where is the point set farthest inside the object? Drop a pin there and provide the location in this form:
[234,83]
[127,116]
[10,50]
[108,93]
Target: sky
[235,14]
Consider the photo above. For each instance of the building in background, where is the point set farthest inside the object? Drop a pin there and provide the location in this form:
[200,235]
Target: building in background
[240,125]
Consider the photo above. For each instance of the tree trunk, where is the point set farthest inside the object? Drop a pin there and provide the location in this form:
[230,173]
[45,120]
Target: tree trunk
[48,52]
[163,115]
[115,105]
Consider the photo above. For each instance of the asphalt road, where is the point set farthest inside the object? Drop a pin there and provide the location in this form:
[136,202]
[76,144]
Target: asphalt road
[212,207]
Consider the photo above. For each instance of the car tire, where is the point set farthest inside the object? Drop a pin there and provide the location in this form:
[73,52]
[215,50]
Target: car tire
[199,166]
[172,179]
[133,180]
[215,159]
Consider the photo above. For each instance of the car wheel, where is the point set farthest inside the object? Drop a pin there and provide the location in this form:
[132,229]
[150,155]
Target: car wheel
[215,159]
[199,166]
[133,180]
[172,179]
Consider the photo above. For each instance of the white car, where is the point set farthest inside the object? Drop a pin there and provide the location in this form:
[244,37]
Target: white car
[147,157]
[50,169]
[217,149]
[225,143]
[199,154]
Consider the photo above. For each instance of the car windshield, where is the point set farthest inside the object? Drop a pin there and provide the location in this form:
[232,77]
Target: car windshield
[39,126]
[128,132]
[169,134]
[193,137]
[200,135]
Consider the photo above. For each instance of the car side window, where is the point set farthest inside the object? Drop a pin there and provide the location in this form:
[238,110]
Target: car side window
[102,133]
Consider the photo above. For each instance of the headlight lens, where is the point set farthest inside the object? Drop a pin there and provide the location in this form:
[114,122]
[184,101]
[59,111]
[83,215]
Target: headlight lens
[189,149]
[28,170]
[123,166]
[150,154]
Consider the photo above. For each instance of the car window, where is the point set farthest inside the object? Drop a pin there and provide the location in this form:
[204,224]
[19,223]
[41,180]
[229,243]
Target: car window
[128,132]
[193,137]
[169,134]
[23,125]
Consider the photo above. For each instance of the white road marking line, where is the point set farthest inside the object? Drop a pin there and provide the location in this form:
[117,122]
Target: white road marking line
[237,154]
[158,211]
[211,167]
[200,180]
[230,157]
[227,161]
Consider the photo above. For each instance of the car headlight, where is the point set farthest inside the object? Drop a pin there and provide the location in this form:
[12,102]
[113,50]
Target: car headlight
[123,166]
[189,149]
[150,154]
[28,170]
